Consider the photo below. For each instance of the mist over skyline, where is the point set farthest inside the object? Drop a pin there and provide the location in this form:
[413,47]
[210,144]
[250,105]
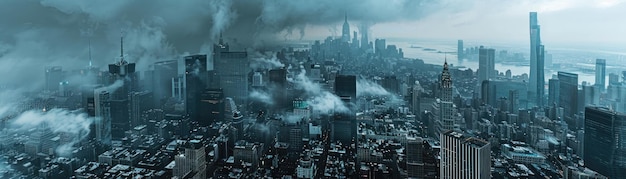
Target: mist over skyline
[49,32]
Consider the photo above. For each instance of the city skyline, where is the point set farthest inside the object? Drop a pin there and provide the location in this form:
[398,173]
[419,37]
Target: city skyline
[236,89]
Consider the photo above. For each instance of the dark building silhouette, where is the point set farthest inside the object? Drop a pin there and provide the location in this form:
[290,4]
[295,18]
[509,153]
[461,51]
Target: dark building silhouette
[344,127]
[278,77]
[211,106]
[164,72]
[391,84]
[604,150]
[568,96]
[120,118]
[195,77]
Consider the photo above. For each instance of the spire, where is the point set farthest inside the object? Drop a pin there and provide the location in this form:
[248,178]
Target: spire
[346,17]
[90,52]
[221,40]
[121,46]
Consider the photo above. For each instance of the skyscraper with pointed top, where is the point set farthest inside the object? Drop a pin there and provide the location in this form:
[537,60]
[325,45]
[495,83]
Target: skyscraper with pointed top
[444,107]
[345,31]
[536,88]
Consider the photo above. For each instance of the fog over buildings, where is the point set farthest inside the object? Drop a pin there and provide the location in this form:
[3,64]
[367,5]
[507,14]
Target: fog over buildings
[312,89]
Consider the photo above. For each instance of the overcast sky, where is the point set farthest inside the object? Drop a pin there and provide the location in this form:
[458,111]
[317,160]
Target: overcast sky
[563,22]
[39,33]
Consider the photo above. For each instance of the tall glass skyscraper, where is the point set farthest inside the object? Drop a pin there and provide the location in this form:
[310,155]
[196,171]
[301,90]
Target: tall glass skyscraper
[464,157]
[537,81]
[601,73]
[604,147]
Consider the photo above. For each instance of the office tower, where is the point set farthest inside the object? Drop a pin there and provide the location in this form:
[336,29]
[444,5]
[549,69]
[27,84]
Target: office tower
[120,115]
[514,101]
[364,40]
[568,95]
[601,73]
[344,126]
[195,77]
[123,70]
[492,90]
[604,144]
[278,77]
[140,102]
[553,92]
[355,40]
[459,50]
[292,134]
[192,162]
[380,47]
[54,76]
[212,106]
[257,80]
[232,69]
[591,96]
[416,99]
[345,31]
[486,64]
[414,157]
[537,82]
[613,79]
[103,113]
[464,157]
[391,84]
[446,118]
[164,72]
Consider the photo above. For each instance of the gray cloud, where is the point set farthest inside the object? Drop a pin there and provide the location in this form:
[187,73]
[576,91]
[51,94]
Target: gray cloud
[34,34]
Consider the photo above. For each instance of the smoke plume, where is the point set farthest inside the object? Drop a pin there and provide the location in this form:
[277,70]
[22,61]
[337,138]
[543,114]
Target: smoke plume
[36,34]
[73,123]
[319,99]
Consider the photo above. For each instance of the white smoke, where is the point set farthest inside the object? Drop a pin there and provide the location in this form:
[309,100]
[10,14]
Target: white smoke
[265,61]
[261,96]
[74,124]
[366,87]
[320,100]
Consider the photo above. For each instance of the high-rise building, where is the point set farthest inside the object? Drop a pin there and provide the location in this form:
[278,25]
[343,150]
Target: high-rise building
[120,118]
[537,81]
[191,163]
[232,69]
[278,77]
[123,70]
[464,157]
[380,46]
[195,78]
[414,157]
[139,103]
[568,94]
[459,50]
[486,64]
[345,31]
[164,72]
[211,106]
[603,144]
[364,40]
[103,113]
[446,119]
[54,76]
[601,73]
[344,125]
[553,92]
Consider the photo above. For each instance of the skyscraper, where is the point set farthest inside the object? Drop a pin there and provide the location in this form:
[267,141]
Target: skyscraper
[233,68]
[553,92]
[446,118]
[604,144]
[537,81]
[601,73]
[568,94]
[486,64]
[344,126]
[364,40]
[464,157]
[54,76]
[345,31]
[103,113]
[459,50]
[195,77]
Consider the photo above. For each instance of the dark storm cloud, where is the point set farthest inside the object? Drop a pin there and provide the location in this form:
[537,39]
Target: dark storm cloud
[35,34]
